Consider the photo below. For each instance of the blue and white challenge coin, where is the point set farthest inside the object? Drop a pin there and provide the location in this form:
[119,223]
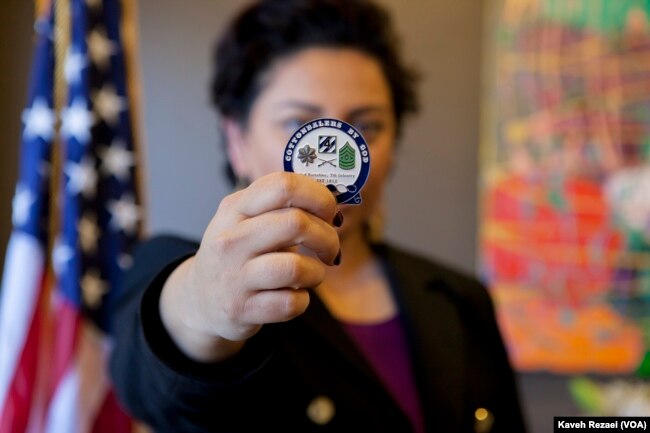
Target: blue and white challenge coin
[333,153]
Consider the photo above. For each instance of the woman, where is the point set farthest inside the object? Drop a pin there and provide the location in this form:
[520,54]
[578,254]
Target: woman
[286,317]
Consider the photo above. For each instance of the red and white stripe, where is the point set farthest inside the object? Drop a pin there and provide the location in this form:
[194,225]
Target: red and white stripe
[22,285]
[53,363]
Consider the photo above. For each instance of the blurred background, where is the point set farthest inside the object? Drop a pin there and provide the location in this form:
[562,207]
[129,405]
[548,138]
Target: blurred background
[525,167]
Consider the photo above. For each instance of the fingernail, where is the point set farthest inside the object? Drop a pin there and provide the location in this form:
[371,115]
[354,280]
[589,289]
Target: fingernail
[338,219]
[337,259]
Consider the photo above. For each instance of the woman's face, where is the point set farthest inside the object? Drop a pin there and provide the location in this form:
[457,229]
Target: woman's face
[339,83]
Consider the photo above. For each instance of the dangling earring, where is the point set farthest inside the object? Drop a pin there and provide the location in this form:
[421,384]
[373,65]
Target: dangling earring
[376,224]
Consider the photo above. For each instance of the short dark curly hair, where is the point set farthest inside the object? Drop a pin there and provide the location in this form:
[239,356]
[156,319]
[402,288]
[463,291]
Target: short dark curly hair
[271,29]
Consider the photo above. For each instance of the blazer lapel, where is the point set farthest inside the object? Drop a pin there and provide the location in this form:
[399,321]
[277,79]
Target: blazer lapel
[435,336]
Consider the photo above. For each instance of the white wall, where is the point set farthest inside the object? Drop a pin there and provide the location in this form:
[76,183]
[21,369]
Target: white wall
[184,158]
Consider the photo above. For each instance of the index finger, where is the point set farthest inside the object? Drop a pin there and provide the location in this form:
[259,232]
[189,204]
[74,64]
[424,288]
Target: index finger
[284,190]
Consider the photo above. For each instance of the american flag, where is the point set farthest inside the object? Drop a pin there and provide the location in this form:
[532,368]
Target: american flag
[66,256]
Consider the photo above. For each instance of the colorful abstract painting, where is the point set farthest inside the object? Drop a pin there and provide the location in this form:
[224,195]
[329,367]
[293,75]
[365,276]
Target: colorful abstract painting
[565,182]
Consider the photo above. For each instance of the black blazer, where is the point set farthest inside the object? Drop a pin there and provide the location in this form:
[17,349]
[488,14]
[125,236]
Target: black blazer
[306,375]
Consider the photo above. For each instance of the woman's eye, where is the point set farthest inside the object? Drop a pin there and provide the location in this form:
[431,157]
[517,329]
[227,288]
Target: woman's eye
[369,129]
[291,125]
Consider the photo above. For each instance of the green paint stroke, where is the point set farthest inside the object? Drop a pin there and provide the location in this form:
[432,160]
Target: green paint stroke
[644,368]
[601,15]
[557,200]
[588,394]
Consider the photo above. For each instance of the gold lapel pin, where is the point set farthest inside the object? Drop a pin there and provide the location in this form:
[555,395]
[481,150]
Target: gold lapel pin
[321,410]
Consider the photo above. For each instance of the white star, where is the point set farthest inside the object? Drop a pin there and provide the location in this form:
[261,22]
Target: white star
[100,48]
[77,121]
[124,214]
[39,120]
[21,204]
[82,177]
[75,62]
[42,27]
[108,104]
[125,261]
[88,233]
[61,255]
[117,160]
[93,288]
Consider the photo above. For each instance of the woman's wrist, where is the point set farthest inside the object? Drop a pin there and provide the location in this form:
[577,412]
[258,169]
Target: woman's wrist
[174,312]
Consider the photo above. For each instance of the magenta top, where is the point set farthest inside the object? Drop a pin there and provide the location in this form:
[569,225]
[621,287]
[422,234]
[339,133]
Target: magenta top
[384,346]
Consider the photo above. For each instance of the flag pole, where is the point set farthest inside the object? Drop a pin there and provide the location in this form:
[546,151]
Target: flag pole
[61,41]
[62,31]
[133,74]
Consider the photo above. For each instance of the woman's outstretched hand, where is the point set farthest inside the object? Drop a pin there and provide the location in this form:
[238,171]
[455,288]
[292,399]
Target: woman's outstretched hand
[248,270]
